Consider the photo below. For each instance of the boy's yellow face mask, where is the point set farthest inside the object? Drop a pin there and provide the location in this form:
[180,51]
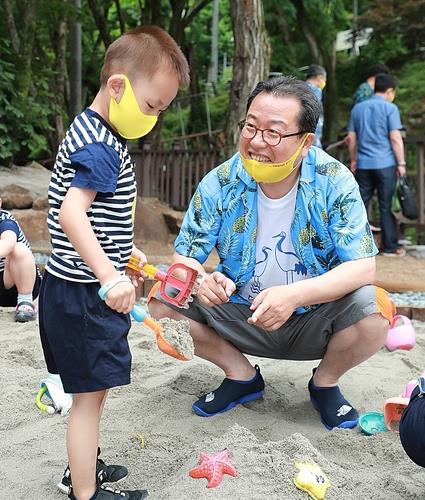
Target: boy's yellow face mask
[127,117]
[271,172]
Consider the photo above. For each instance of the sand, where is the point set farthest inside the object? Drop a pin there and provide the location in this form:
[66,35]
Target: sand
[263,437]
[177,334]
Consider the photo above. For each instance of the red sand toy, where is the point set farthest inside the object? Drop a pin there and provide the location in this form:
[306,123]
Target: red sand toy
[186,287]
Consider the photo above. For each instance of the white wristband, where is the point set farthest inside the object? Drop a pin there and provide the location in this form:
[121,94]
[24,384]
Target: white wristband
[103,292]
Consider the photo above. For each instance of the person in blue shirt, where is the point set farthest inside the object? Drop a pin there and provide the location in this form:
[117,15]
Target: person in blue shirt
[296,259]
[367,88]
[316,80]
[377,155]
[19,277]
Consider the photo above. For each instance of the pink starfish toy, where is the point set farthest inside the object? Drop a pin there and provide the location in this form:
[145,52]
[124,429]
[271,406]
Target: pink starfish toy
[212,467]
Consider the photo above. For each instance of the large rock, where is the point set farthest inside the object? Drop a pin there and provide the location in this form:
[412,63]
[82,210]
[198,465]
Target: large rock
[34,225]
[149,222]
[40,203]
[14,196]
[34,178]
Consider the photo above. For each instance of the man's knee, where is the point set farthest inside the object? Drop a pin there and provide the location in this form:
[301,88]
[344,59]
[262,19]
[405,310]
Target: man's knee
[374,328]
[159,310]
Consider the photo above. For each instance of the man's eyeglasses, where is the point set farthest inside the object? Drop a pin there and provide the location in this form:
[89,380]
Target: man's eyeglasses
[270,136]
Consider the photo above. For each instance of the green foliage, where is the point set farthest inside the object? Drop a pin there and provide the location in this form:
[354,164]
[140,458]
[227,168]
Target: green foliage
[23,120]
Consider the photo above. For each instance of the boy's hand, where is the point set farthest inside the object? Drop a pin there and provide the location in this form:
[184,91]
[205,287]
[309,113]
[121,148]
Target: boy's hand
[137,276]
[121,297]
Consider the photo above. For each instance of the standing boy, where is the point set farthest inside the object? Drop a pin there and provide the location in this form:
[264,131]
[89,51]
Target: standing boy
[91,195]
[19,276]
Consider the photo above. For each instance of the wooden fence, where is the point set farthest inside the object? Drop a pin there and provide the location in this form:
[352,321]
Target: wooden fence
[172,174]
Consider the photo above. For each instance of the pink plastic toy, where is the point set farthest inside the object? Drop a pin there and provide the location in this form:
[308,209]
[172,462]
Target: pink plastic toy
[409,388]
[401,335]
[394,407]
[393,410]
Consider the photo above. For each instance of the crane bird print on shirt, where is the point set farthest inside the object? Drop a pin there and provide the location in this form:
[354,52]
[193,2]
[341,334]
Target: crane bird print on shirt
[260,268]
[286,266]
[281,257]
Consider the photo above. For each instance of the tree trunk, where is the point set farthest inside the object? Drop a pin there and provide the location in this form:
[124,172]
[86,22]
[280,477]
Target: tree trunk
[60,52]
[75,71]
[250,62]
[322,52]
[100,18]
[309,36]
[22,46]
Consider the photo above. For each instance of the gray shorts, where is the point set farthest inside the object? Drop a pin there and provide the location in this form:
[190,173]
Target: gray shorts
[303,336]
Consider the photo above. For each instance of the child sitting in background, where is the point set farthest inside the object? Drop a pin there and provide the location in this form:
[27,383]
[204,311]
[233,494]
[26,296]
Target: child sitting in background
[412,424]
[19,276]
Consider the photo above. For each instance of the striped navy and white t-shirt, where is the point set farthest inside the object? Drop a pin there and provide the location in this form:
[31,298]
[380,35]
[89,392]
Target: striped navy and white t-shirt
[93,156]
[9,223]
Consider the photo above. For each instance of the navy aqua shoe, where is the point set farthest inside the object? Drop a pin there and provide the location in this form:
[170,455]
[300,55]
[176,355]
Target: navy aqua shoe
[229,394]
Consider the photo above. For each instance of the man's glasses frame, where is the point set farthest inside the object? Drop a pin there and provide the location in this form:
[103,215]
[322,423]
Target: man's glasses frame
[274,141]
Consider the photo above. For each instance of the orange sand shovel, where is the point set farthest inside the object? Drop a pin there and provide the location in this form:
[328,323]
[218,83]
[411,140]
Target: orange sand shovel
[140,315]
[186,287]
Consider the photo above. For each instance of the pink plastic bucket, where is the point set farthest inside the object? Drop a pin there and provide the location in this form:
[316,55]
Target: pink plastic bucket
[401,335]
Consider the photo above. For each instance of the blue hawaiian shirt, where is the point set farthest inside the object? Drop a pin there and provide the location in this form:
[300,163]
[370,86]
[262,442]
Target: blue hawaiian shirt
[363,92]
[329,225]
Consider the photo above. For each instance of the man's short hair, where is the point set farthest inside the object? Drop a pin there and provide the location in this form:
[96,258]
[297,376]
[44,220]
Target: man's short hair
[378,69]
[289,86]
[384,82]
[142,51]
[315,70]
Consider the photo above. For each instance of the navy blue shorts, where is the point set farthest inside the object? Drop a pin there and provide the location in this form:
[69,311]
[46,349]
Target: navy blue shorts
[83,340]
[412,428]
[9,296]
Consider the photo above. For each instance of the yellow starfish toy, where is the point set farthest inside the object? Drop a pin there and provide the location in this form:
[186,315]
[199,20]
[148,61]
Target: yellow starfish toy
[311,479]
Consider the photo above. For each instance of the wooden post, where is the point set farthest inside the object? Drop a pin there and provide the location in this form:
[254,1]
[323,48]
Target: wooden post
[144,166]
[175,176]
[421,181]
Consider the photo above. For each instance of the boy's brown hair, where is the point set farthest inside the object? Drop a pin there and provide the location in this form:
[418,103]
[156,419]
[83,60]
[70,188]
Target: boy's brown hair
[144,50]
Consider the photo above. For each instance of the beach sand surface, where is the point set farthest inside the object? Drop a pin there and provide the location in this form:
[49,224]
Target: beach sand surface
[264,437]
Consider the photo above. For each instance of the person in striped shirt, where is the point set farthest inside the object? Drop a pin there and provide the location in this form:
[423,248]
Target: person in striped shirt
[91,195]
[19,276]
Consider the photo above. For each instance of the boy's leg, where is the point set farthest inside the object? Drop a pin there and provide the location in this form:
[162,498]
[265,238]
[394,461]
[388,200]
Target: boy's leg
[20,275]
[83,440]
[108,473]
[20,269]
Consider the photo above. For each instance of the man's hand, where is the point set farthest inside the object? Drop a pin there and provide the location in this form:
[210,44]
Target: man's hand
[353,166]
[215,289]
[137,276]
[272,308]
[401,170]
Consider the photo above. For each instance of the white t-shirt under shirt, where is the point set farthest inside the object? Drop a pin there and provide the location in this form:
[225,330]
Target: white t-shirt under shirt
[276,262]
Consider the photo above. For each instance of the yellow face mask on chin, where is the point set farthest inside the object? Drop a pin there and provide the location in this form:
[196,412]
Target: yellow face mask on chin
[127,117]
[271,172]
